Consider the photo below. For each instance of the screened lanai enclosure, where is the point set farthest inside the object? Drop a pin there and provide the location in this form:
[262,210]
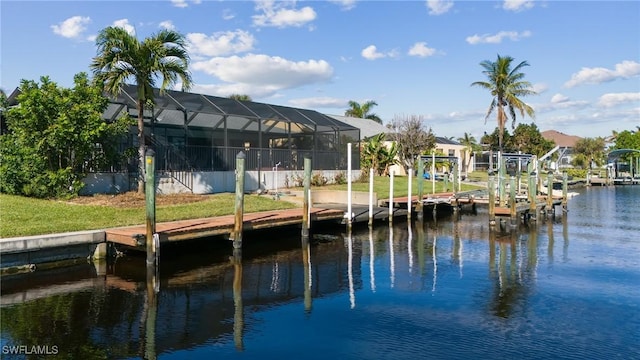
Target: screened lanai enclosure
[195,132]
[202,135]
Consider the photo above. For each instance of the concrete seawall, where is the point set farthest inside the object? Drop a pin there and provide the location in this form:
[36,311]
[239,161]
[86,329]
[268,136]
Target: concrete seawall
[27,253]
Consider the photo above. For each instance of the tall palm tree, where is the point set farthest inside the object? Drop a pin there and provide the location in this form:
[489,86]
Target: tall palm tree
[362,110]
[122,57]
[470,146]
[507,87]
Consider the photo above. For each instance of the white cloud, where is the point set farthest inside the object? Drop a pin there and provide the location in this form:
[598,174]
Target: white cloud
[263,74]
[439,7]
[282,14]
[228,14]
[559,98]
[497,38]
[184,3]
[220,43]
[319,102]
[624,70]
[167,24]
[345,4]
[124,23]
[611,100]
[73,27]
[420,49]
[517,5]
[371,53]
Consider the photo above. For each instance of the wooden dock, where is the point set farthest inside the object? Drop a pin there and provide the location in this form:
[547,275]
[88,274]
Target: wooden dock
[134,236]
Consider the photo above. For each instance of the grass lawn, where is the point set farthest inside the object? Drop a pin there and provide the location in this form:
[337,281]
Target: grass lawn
[21,216]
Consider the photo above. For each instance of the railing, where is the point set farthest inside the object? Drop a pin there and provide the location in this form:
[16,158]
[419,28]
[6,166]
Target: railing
[171,161]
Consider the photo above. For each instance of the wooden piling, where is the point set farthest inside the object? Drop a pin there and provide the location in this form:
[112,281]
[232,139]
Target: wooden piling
[420,179]
[239,203]
[391,174]
[305,202]
[446,181]
[150,203]
[409,195]
[513,214]
[565,187]
[532,192]
[502,179]
[371,197]
[492,198]
[550,193]
[456,177]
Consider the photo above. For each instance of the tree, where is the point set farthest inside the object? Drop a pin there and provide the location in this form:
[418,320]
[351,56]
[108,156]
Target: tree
[628,140]
[528,140]
[589,150]
[506,87]
[412,139]
[240,97]
[362,111]
[470,147]
[493,140]
[121,57]
[55,137]
[377,155]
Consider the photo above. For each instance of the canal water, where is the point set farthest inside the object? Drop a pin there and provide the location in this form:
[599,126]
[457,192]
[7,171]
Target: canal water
[568,288]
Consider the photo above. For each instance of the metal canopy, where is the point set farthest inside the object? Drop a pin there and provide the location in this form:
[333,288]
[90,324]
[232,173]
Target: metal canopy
[615,154]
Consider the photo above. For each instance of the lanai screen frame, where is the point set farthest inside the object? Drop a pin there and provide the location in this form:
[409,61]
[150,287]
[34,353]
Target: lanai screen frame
[197,132]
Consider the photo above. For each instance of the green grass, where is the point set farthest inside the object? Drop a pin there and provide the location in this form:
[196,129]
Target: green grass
[400,186]
[22,216]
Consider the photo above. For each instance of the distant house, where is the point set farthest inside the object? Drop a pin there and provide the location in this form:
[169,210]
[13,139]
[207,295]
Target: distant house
[369,128]
[566,143]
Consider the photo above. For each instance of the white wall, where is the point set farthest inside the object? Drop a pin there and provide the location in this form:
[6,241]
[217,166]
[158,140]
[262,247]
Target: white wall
[207,182]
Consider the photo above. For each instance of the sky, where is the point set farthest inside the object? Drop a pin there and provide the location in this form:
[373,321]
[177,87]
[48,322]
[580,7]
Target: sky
[413,58]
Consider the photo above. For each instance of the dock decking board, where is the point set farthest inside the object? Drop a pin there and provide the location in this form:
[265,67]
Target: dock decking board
[198,228]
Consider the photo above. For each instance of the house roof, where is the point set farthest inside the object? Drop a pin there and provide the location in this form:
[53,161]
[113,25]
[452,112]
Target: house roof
[368,128]
[561,139]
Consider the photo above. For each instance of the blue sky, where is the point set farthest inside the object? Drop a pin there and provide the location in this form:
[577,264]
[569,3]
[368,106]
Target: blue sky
[411,57]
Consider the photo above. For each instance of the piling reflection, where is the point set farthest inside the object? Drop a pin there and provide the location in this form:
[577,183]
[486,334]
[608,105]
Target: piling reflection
[238,314]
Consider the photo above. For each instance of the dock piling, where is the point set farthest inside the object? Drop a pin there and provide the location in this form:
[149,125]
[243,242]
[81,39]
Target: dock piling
[391,175]
[420,180]
[305,203]
[371,197]
[492,198]
[550,208]
[236,236]
[513,213]
[409,195]
[565,187]
[532,193]
[150,203]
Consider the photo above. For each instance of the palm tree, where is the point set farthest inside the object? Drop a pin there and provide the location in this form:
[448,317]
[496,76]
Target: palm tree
[122,57]
[506,87]
[470,146]
[362,110]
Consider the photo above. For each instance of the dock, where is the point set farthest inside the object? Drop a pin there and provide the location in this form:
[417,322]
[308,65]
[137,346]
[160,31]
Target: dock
[134,236]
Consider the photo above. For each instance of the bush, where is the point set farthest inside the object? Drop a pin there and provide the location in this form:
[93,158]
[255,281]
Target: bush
[340,178]
[318,179]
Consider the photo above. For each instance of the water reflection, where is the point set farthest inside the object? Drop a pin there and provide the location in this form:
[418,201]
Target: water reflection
[433,272]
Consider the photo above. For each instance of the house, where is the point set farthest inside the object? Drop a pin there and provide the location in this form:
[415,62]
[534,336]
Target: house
[566,143]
